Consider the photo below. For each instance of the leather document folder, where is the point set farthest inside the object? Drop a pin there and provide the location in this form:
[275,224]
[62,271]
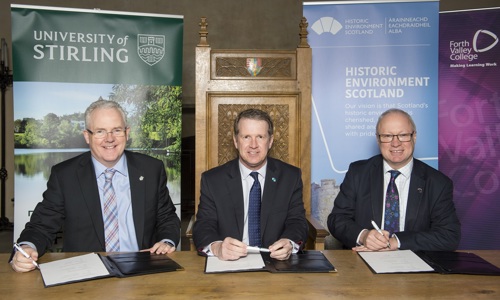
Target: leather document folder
[138,263]
[94,266]
[445,262]
[308,261]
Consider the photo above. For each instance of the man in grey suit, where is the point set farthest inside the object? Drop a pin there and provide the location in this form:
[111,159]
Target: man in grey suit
[75,199]
[426,218]
[222,221]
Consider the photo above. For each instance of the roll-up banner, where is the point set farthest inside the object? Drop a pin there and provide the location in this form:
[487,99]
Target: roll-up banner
[368,56]
[469,120]
[63,60]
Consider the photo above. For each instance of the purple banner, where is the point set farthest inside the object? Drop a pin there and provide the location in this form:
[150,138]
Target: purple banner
[469,120]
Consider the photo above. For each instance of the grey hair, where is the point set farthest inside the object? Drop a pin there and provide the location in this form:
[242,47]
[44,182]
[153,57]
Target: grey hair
[104,104]
[396,111]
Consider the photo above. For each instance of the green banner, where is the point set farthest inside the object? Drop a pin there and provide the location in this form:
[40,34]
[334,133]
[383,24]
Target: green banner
[65,59]
[94,46]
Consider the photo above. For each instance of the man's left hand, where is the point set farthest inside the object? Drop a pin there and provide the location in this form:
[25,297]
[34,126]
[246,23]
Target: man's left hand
[281,250]
[161,248]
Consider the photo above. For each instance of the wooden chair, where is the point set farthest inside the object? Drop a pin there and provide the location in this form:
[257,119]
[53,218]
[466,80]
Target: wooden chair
[276,81]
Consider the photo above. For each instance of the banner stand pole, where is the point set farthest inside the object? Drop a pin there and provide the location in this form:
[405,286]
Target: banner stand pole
[6,80]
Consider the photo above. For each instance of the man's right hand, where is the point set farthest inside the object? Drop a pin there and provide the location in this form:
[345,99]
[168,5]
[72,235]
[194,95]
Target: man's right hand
[372,240]
[229,249]
[22,264]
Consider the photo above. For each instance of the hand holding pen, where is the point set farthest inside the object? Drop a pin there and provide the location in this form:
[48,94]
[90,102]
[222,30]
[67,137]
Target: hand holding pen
[375,226]
[21,250]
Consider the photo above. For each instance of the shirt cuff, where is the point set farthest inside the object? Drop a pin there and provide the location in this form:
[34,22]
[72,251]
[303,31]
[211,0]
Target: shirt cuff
[170,242]
[295,247]
[399,243]
[358,242]
[207,249]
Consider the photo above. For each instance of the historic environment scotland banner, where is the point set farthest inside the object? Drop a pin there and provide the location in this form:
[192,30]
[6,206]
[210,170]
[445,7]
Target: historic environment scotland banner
[368,56]
[469,120]
[63,60]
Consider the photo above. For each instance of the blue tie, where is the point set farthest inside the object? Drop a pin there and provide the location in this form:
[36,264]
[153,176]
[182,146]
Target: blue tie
[254,212]
[392,205]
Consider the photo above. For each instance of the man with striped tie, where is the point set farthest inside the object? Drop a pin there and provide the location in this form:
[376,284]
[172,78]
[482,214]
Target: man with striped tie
[105,200]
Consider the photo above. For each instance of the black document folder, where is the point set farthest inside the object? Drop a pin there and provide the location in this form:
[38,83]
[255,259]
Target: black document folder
[138,263]
[445,262]
[309,261]
[94,266]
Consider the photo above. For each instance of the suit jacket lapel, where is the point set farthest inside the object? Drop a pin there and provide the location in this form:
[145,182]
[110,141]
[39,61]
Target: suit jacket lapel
[137,192]
[90,191]
[415,193]
[377,190]
[235,191]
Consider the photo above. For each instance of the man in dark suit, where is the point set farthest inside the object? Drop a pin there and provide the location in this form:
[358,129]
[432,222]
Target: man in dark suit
[425,219]
[222,221]
[75,199]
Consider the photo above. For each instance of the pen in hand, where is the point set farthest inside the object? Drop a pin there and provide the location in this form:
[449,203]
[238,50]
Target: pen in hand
[252,249]
[25,254]
[375,226]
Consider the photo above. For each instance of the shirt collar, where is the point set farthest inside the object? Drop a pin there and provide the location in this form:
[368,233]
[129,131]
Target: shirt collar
[120,167]
[245,172]
[405,171]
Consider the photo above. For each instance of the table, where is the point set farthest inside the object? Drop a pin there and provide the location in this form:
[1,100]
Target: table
[353,280]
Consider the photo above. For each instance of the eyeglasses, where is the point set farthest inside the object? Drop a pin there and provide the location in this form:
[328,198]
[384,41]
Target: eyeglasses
[403,137]
[101,133]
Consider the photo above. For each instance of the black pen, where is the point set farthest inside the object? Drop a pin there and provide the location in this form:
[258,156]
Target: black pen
[25,254]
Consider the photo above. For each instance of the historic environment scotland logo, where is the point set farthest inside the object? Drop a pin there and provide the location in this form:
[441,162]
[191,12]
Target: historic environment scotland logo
[151,48]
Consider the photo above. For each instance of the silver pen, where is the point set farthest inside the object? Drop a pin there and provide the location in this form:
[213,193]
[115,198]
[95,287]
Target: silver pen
[25,254]
[380,231]
[253,249]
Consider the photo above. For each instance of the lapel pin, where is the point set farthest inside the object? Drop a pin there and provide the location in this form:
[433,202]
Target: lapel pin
[419,190]
[273,179]
[141,178]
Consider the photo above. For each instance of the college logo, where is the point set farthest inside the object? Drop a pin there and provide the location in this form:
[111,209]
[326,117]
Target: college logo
[485,35]
[254,66]
[151,48]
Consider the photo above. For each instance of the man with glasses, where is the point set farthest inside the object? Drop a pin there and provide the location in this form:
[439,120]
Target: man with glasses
[394,201]
[104,200]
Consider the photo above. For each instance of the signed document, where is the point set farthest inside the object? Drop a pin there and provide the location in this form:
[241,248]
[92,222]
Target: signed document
[73,269]
[401,261]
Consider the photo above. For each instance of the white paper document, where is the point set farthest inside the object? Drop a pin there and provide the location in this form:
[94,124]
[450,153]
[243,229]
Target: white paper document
[248,263]
[73,269]
[401,261]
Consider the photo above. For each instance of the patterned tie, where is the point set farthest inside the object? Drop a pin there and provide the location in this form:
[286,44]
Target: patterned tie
[254,212]
[110,213]
[392,205]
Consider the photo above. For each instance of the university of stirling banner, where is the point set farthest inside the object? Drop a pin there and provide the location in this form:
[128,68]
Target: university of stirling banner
[63,60]
[368,56]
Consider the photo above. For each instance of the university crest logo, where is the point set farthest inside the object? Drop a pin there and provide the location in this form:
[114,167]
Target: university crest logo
[151,48]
